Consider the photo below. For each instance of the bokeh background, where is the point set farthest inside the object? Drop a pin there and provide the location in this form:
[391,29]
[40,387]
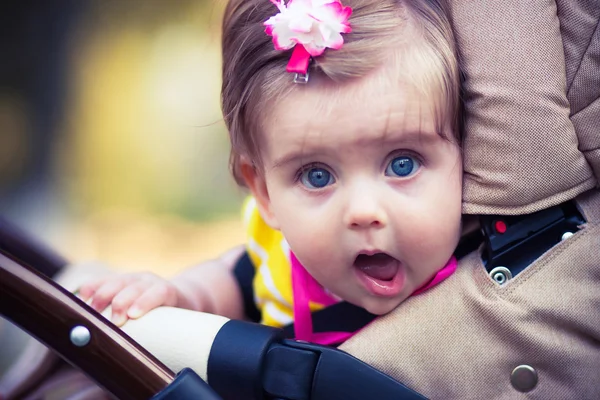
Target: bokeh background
[112,145]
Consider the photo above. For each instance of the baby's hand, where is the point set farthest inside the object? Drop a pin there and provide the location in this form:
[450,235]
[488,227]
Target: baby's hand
[130,295]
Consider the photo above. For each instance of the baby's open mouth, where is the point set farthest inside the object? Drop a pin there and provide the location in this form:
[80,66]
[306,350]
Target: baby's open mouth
[378,266]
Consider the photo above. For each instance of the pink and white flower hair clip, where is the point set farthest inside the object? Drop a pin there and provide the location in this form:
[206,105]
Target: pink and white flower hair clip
[308,26]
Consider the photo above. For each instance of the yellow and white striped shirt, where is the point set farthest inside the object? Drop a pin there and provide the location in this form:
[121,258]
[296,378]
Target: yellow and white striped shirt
[270,255]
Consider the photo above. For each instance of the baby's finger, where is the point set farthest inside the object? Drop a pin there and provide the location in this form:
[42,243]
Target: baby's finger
[159,294]
[87,290]
[104,295]
[124,299]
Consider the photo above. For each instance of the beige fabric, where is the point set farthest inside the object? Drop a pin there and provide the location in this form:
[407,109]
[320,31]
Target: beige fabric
[177,337]
[521,149]
[532,140]
[580,26]
[462,339]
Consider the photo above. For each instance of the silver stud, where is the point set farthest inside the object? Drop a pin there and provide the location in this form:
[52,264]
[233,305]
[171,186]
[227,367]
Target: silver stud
[524,378]
[501,275]
[566,235]
[80,336]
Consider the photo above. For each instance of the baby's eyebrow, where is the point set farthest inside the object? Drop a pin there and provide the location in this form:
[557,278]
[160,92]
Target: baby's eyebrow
[413,136]
[291,157]
[399,139]
[390,139]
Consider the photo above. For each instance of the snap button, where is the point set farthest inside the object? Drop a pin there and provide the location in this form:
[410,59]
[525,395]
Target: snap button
[501,275]
[524,378]
[566,235]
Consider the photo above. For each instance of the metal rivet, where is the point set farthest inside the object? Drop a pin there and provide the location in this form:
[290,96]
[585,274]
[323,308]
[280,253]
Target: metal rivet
[524,378]
[501,275]
[80,336]
[566,235]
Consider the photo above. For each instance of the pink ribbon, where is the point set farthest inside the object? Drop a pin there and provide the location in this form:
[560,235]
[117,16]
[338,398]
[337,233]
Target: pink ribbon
[299,60]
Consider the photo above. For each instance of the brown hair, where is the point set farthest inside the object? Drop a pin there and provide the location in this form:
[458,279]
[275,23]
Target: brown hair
[254,72]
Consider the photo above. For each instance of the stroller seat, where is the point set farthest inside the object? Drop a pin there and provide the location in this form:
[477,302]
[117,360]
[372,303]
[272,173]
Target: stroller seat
[532,142]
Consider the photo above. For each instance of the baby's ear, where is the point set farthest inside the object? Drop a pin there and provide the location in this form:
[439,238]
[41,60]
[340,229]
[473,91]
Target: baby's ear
[255,180]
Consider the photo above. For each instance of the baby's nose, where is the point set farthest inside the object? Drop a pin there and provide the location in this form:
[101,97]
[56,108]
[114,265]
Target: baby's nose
[364,210]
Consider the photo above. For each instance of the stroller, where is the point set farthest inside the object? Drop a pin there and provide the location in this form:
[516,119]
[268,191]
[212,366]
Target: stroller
[519,318]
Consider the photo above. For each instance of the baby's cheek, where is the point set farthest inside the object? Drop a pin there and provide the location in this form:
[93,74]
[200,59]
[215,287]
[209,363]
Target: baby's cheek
[313,247]
[298,233]
[434,237]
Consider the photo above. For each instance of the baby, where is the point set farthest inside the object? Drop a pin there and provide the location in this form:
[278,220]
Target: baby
[352,158]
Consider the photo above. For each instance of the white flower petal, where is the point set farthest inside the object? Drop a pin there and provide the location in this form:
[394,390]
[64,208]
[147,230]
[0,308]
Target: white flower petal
[316,24]
[301,24]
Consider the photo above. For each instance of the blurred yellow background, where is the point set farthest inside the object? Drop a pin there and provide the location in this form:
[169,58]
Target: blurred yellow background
[112,141]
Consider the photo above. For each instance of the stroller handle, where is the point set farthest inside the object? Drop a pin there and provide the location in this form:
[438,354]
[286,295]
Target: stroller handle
[64,323]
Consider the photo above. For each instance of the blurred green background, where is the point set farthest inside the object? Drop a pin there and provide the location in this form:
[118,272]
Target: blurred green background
[112,145]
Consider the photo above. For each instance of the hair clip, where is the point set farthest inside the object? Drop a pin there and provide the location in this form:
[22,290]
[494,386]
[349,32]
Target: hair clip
[309,27]
[301,78]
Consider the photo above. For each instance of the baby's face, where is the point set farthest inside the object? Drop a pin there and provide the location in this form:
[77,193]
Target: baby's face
[365,191]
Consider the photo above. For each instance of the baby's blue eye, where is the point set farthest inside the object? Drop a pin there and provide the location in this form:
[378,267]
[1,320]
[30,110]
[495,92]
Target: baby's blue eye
[316,178]
[402,166]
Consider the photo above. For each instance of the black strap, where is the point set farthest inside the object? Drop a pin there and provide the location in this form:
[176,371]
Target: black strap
[244,274]
[340,317]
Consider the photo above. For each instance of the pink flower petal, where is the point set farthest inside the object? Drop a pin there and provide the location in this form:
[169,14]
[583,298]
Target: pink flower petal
[345,14]
[278,4]
[306,3]
[337,12]
[283,42]
[312,24]
[325,33]
[336,42]
[313,49]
